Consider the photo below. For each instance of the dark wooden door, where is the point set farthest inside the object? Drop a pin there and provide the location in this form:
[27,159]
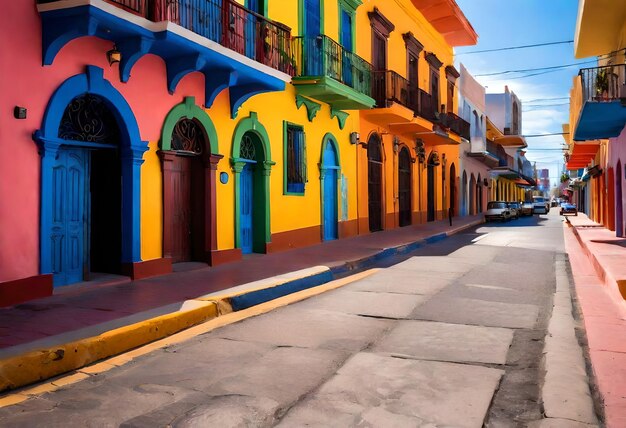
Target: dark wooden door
[181,207]
[375,184]
[413,82]
[379,61]
[404,186]
[431,193]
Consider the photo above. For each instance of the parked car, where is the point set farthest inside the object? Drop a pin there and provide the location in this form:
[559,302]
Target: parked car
[540,205]
[568,208]
[527,208]
[515,209]
[497,210]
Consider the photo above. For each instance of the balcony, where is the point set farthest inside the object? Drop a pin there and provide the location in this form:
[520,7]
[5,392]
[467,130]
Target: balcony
[396,99]
[327,72]
[232,46]
[603,114]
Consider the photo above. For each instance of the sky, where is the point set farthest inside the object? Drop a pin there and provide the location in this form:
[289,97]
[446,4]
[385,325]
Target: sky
[507,23]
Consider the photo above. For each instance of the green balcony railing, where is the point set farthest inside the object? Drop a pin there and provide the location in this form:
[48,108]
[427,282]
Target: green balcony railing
[322,56]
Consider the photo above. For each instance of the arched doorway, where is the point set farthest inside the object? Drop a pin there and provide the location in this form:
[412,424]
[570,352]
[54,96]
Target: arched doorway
[189,161]
[472,193]
[452,180]
[329,174]
[619,204]
[464,194]
[433,162]
[610,199]
[479,195]
[375,182]
[404,186]
[91,158]
[251,165]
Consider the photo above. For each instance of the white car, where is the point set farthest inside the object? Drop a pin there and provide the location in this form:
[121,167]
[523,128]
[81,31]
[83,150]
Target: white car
[539,205]
[497,210]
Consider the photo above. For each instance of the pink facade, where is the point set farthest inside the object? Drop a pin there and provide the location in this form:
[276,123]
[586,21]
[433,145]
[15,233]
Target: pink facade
[26,83]
[617,161]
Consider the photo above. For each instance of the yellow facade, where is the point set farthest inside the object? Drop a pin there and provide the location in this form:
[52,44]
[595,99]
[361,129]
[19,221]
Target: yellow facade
[296,220]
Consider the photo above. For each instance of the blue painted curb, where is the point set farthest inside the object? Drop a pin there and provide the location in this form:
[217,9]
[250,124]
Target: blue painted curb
[254,298]
[436,238]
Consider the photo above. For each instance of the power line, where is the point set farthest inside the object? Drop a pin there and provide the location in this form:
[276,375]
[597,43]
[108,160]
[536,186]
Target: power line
[545,135]
[516,47]
[545,99]
[554,67]
[545,105]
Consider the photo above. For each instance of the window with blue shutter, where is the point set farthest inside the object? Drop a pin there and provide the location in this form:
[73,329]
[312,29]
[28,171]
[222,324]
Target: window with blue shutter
[295,159]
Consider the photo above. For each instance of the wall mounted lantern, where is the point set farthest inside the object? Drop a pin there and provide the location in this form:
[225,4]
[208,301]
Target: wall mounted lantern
[114,55]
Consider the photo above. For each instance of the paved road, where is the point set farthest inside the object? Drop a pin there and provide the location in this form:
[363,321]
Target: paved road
[451,336]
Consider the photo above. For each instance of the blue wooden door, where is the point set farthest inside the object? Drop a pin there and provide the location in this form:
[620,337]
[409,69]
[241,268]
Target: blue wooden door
[246,192]
[329,163]
[313,45]
[67,230]
[346,42]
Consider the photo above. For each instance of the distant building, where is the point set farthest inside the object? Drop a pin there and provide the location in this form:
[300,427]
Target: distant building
[543,180]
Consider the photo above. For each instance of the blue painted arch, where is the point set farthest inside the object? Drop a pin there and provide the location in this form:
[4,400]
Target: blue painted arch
[131,154]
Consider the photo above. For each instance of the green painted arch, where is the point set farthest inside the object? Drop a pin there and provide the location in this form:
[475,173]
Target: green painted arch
[261,220]
[330,139]
[188,109]
[251,124]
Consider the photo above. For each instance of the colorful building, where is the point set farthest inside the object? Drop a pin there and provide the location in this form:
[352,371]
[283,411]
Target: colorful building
[153,132]
[598,112]
[408,156]
[512,178]
[475,160]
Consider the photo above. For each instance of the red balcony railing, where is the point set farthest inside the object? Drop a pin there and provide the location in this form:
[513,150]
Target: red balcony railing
[606,83]
[225,22]
[389,86]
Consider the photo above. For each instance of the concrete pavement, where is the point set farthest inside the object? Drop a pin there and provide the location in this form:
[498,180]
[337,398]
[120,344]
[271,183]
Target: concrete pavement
[453,336]
[82,324]
[597,262]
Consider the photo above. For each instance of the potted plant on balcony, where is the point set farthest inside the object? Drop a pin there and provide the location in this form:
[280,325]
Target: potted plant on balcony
[602,84]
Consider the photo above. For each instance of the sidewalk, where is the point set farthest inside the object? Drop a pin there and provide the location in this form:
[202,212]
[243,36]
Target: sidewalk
[90,310]
[597,260]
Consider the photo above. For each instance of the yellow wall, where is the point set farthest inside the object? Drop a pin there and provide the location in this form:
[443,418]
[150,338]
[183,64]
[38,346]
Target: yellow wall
[406,18]
[151,204]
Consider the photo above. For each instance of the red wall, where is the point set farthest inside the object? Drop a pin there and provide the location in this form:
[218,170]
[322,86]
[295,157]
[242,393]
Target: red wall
[24,82]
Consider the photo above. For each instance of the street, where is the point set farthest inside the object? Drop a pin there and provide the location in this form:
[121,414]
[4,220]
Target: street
[450,335]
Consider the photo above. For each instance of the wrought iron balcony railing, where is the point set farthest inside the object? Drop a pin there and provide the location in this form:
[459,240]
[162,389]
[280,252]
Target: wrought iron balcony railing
[322,56]
[426,108]
[223,21]
[389,86]
[497,151]
[458,125]
[606,83]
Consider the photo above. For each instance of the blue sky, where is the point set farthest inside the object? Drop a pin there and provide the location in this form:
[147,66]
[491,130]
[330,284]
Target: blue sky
[504,23]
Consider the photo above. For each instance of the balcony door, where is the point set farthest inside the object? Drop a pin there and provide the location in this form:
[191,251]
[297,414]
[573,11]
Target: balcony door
[346,42]
[313,45]
[379,61]
[413,82]
[254,27]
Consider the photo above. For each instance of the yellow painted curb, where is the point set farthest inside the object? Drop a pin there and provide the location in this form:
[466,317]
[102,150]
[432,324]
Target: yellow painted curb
[43,364]
[187,325]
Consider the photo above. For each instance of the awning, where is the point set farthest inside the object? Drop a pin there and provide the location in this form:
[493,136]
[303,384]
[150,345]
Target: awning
[582,154]
[521,182]
[511,141]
